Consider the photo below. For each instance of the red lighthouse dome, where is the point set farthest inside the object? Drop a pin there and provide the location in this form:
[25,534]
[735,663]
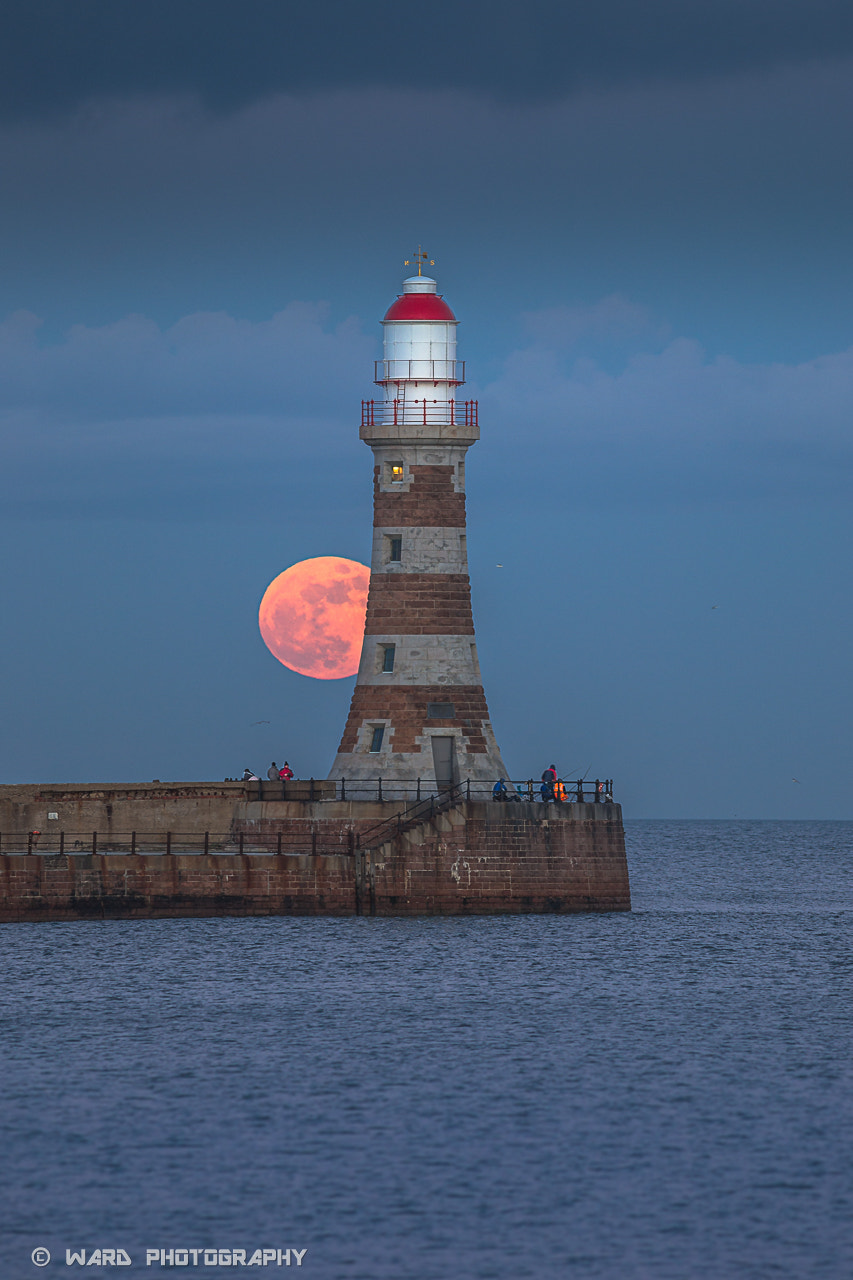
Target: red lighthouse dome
[419,301]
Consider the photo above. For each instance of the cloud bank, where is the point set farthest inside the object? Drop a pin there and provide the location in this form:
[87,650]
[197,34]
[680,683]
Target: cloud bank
[678,424]
[136,414]
[55,55]
[723,200]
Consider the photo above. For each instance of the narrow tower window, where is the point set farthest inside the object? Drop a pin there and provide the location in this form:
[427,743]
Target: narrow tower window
[376,740]
[395,550]
[395,472]
[388,651]
[440,711]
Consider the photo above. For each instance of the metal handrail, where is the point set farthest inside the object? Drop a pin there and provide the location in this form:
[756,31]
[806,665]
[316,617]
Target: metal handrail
[426,796]
[277,839]
[382,789]
[392,790]
[420,412]
[419,371]
[413,816]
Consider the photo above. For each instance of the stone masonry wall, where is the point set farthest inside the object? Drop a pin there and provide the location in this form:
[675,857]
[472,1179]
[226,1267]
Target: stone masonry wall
[107,808]
[186,810]
[430,499]
[487,859]
[477,859]
[406,706]
[117,886]
[419,604]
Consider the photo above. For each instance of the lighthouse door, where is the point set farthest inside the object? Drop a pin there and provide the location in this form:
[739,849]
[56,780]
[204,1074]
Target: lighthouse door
[444,759]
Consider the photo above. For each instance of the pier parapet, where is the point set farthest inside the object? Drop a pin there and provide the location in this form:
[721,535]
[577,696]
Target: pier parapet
[136,852]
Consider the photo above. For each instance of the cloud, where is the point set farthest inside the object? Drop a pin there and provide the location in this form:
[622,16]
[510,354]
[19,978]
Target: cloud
[725,187]
[206,362]
[674,422]
[311,147]
[605,331]
[56,55]
[130,416]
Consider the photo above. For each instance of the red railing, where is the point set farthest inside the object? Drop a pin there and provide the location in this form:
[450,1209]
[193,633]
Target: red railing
[419,412]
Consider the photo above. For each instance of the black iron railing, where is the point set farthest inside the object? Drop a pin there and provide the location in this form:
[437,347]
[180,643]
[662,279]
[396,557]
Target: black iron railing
[394,790]
[422,799]
[290,839]
[413,816]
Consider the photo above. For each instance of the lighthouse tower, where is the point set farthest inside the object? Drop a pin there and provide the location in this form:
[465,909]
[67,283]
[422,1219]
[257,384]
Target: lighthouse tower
[418,710]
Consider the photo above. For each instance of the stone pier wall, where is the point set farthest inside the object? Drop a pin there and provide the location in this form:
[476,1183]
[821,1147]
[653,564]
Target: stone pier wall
[473,860]
[117,808]
[493,859]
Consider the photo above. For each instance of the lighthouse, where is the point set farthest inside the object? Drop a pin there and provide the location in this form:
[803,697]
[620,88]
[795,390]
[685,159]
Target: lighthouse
[418,711]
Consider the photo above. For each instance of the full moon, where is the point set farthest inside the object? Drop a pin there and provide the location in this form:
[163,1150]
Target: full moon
[312,616]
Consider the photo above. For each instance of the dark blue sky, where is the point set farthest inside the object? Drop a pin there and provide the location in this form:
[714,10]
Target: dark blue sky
[642,218]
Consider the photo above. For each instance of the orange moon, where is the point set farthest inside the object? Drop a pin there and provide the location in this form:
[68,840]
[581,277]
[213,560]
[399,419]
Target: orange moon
[312,616]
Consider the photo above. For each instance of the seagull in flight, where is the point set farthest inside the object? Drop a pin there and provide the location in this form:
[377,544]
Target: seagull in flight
[260,722]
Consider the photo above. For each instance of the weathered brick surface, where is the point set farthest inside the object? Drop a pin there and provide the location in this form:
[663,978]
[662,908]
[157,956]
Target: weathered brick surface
[406,707]
[429,500]
[119,885]
[418,604]
[185,809]
[506,863]
[480,859]
[310,834]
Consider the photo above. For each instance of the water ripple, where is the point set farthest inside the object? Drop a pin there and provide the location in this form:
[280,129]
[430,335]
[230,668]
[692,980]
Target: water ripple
[652,1096]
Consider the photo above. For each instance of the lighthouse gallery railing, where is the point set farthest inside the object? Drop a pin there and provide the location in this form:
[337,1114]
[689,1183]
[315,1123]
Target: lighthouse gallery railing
[386,413]
[393,370]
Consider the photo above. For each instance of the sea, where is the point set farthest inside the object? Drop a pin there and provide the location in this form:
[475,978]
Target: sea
[665,1094]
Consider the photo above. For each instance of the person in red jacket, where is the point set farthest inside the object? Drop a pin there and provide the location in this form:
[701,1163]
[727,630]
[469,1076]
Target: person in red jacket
[285,772]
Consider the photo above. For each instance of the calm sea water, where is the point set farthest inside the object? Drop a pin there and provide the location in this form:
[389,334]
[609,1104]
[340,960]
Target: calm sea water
[665,1094]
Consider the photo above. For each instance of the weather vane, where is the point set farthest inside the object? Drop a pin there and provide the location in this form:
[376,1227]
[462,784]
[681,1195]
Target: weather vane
[421,259]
